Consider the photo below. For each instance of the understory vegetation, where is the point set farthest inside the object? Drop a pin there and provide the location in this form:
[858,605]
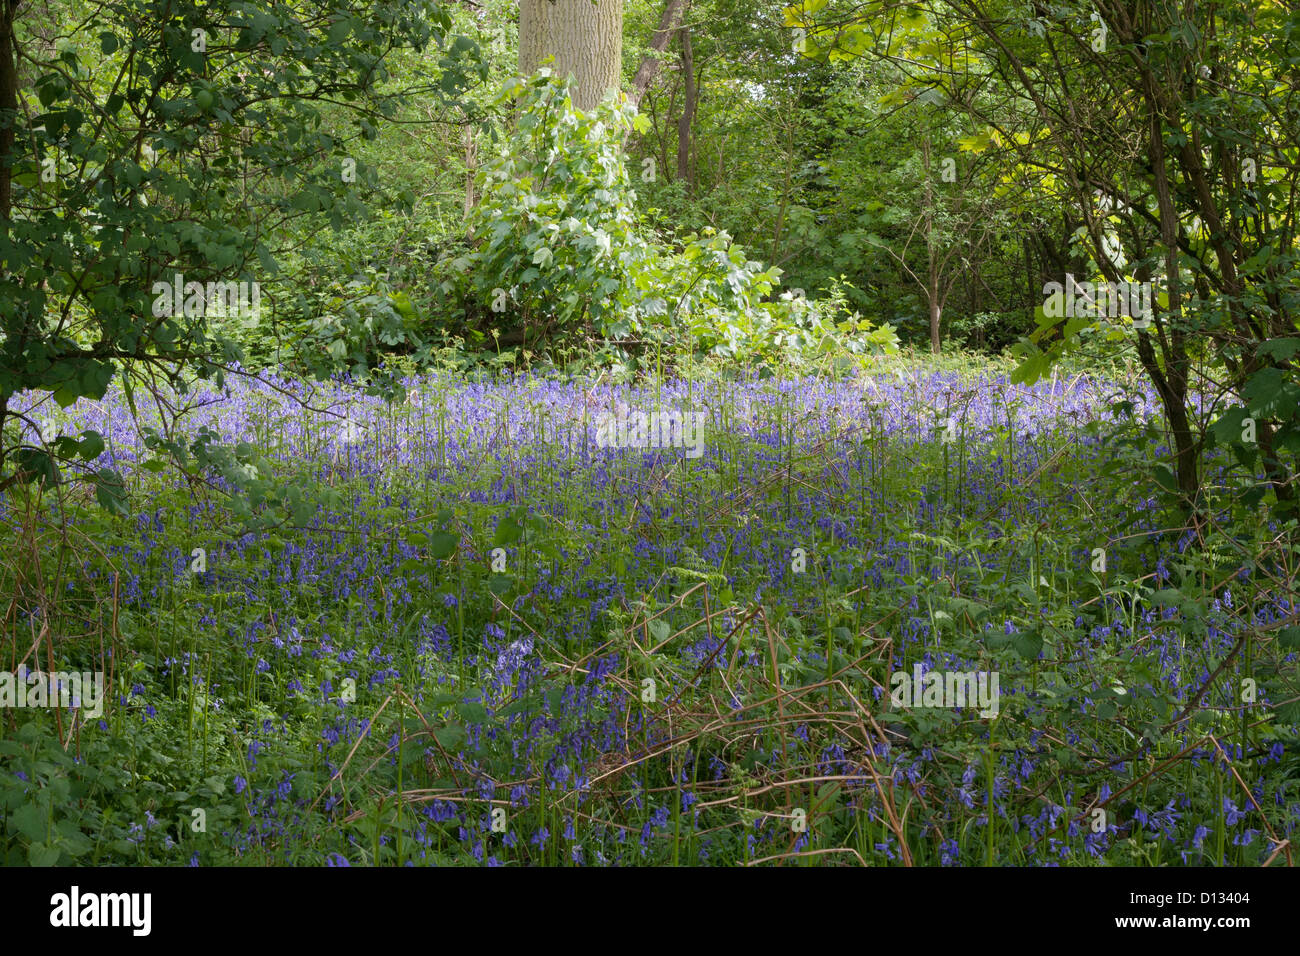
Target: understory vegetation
[865,435]
[668,658]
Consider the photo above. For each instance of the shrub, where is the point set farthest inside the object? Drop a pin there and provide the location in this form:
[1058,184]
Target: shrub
[561,239]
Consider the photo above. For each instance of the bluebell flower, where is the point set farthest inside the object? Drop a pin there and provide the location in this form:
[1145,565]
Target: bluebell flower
[1245,838]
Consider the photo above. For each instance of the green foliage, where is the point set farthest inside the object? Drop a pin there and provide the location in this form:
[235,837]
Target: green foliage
[227,691]
[351,326]
[162,140]
[1200,201]
[561,242]
[556,219]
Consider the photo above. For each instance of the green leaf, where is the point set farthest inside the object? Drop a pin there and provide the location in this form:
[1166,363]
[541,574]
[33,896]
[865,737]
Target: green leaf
[1270,393]
[38,854]
[1281,349]
[442,545]
[472,712]
[529,704]
[1289,713]
[555,699]
[339,31]
[72,841]
[92,445]
[450,737]
[1028,644]
[508,531]
[30,821]
[37,465]
[110,491]
[827,795]
[66,394]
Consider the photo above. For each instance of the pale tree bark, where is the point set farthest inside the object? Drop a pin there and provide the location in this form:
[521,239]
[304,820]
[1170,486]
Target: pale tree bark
[585,38]
[645,73]
[932,286]
[936,311]
[471,166]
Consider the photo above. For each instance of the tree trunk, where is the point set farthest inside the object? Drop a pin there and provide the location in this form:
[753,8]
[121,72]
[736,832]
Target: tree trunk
[936,312]
[8,108]
[471,166]
[1031,282]
[1170,381]
[687,119]
[585,38]
[645,73]
[932,278]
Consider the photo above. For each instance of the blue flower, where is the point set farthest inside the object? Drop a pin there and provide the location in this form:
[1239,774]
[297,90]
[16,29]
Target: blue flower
[1245,838]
